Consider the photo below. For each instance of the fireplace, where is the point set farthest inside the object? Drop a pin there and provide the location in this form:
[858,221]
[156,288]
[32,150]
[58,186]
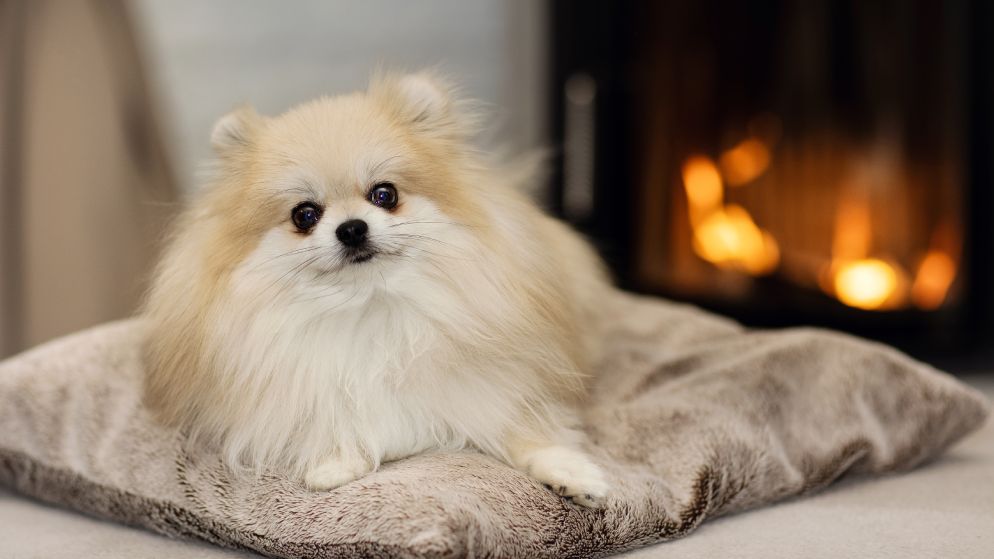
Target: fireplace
[822,163]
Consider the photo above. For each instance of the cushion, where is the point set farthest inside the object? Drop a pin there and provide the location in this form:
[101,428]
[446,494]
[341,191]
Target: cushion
[692,417]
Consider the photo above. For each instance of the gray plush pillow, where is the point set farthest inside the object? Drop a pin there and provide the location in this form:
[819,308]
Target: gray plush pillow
[693,417]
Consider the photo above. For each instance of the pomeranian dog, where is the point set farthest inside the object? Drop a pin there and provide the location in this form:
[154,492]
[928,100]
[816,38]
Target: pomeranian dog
[357,284]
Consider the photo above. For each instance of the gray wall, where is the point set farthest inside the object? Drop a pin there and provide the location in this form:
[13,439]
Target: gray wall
[206,57]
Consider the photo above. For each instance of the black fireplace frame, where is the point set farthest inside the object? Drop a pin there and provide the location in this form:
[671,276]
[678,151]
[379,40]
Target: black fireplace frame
[595,39]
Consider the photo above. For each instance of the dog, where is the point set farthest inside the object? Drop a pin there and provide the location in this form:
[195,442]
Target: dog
[358,284]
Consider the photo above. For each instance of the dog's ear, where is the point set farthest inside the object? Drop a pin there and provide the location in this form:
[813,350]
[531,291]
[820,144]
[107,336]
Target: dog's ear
[424,97]
[235,131]
[426,102]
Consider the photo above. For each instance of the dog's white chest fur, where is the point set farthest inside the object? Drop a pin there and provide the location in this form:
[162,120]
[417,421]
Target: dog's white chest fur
[382,381]
[376,381]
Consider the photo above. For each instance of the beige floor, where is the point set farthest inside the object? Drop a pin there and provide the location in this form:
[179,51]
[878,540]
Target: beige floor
[945,509]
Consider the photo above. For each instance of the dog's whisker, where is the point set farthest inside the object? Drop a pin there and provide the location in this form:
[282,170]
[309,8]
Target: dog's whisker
[290,275]
[421,237]
[417,238]
[323,295]
[355,292]
[426,222]
[424,251]
[428,261]
[285,254]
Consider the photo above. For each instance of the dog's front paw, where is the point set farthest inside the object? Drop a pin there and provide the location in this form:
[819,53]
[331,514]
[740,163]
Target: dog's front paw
[333,473]
[569,473]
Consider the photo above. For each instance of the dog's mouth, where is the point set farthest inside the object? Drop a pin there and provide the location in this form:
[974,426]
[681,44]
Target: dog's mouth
[358,256]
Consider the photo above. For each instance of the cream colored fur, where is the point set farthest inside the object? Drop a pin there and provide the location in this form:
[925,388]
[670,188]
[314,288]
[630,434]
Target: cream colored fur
[470,327]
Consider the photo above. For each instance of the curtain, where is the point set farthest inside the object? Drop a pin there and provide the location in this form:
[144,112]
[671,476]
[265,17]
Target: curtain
[85,185]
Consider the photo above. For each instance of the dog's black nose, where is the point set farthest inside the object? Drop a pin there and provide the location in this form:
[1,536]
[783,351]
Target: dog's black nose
[352,233]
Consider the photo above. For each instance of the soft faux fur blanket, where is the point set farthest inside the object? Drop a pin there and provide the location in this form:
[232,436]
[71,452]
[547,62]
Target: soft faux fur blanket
[692,416]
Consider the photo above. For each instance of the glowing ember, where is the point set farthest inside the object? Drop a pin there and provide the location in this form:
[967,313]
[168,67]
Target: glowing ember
[745,162]
[703,185]
[935,275]
[726,236]
[865,284]
[729,238]
[866,267]
[853,229]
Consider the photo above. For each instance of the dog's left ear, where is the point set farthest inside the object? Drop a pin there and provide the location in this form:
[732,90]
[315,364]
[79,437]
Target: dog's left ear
[425,101]
[235,131]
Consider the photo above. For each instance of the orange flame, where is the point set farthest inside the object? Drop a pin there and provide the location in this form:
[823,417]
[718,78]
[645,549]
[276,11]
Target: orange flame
[865,284]
[729,238]
[858,273]
[745,162]
[933,280]
[853,231]
[726,236]
[703,185]
[854,278]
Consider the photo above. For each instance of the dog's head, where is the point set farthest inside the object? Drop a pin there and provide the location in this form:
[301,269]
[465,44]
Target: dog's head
[370,187]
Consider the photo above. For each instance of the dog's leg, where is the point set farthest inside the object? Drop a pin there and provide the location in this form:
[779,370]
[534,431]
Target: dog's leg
[565,469]
[336,472]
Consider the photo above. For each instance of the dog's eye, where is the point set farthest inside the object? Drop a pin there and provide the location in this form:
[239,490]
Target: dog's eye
[384,195]
[305,216]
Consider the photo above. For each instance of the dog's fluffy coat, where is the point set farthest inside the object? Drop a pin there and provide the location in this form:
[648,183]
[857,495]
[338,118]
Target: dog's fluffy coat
[471,325]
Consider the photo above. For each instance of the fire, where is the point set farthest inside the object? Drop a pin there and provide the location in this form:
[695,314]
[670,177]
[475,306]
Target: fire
[745,162]
[729,238]
[853,231]
[866,269]
[703,184]
[935,275]
[854,277]
[865,284]
[726,236]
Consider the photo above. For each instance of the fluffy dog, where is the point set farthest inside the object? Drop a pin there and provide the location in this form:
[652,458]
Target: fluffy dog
[357,284]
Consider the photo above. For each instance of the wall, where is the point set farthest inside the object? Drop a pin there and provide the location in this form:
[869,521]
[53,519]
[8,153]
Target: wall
[82,214]
[207,57]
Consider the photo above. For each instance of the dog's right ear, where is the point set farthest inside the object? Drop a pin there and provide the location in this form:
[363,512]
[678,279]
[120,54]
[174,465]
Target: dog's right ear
[426,102]
[235,131]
